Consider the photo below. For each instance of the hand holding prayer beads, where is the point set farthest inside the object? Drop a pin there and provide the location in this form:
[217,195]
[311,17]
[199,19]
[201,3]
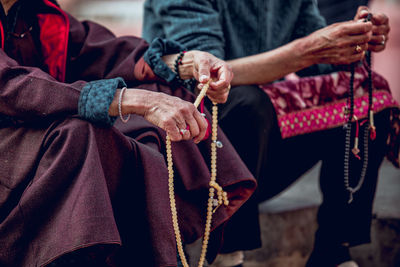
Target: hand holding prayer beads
[380,28]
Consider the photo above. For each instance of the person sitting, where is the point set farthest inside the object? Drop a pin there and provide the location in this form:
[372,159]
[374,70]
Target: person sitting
[81,184]
[281,130]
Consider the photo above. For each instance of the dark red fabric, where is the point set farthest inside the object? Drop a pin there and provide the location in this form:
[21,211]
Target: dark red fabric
[143,72]
[2,35]
[67,184]
[54,39]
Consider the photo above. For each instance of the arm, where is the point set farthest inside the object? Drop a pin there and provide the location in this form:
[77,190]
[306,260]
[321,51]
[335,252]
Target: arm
[30,94]
[192,20]
[335,44]
[196,24]
[25,92]
[95,53]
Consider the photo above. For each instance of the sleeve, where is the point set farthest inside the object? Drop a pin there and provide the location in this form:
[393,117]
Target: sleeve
[30,94]
[194,24]
[95,53]
[309,21]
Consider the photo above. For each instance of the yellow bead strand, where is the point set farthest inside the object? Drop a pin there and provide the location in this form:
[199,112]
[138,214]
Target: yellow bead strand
[214,186]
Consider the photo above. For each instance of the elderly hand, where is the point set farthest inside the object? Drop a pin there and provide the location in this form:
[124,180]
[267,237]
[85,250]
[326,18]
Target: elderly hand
[339,43]
[206,67]
[203,66]
[380,28]
[179,118]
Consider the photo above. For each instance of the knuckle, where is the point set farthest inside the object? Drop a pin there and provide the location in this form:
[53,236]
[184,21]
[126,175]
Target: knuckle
[204,60]
[183,110]
[340,44]
[167,121]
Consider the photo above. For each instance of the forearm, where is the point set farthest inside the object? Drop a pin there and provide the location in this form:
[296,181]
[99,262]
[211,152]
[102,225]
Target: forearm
[272,65]
[28,93]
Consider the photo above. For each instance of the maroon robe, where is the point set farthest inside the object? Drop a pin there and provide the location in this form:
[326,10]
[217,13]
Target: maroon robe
[66,183]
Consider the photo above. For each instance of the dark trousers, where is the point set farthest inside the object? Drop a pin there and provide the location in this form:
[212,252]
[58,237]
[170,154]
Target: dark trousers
[249,120]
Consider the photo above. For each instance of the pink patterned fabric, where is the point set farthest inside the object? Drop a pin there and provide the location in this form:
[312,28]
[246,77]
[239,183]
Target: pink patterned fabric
[306,105]
[316,103]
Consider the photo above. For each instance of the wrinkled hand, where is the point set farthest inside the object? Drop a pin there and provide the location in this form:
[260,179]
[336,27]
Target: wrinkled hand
[206,67]
[380,28]
[173,115]
[340,43]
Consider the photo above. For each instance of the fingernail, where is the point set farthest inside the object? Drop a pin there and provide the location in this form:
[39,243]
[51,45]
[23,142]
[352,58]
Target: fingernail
[203,77]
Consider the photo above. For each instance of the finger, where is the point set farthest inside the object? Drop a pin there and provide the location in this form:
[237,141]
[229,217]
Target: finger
[354,58]
[355,27]
[362,12]
[202,123]
[204,70]
[380,30]
[380,19]
[378,40]
[218,97]
[180,125]
[193,128]
[225,76]
[357,49]
[173,131]
[355,40]
[348,55]
[185,133]
[376,47]
[179,120]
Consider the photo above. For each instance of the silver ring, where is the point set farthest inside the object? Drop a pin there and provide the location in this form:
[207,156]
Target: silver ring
[203,114]
[384,40]
[183,131]
[358,49]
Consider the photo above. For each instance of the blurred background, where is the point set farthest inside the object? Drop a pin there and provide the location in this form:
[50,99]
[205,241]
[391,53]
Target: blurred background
[124,17]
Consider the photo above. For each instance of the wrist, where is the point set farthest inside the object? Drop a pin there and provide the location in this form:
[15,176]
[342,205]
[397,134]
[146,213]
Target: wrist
[134,101]
[137,101]
[186,66]
[303,52]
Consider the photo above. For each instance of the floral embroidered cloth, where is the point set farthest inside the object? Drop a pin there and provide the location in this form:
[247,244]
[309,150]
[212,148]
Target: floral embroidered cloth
[305,105]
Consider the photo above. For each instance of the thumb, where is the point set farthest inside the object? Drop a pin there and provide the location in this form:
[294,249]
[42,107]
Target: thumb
[362,12]
[204,71]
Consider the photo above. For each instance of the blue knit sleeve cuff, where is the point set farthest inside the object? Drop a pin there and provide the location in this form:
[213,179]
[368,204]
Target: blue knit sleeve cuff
[95,100]
[158,48]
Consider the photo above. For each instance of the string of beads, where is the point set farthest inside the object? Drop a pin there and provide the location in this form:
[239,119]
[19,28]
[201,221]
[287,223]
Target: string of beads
[215,188]
[369,129]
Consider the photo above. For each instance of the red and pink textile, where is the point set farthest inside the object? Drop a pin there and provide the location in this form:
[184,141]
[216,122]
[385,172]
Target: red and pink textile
[306,105]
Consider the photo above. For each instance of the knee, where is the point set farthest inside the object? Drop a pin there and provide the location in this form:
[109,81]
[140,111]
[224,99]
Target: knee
[254,103]
[74,135]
